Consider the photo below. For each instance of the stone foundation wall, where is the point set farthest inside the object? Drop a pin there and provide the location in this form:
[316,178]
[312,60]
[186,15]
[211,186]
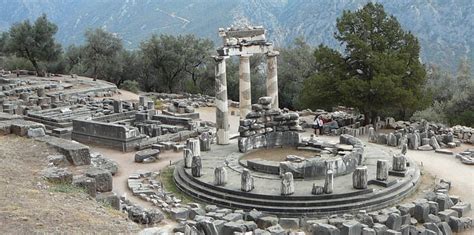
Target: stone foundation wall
[108,134]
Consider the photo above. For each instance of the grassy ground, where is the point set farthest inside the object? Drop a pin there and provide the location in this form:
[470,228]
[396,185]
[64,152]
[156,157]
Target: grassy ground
[170,186]
[30,205]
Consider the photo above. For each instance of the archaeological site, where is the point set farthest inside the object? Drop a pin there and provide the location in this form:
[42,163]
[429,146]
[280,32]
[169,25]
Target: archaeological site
[231,150]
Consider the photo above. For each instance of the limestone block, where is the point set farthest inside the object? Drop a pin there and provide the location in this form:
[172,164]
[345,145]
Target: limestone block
[267,221]
[444,228]
[394,221]
[207,226]
[220,176]
[329,182]
[205,140]
[246,181]
[289,223]
[109,198]
[399,162]
[87,183]
[372,135]
[391,140]
[317,190]
[422,210]
[462,208]
[230,228]
[233,217]
[57,175]
[446,214]
[188,158]
[179,213]
[359,177]
[194,145]
[326,229]
[196,167]
[351,227]
[140,156]
[382,170]
[287,184]
[103,179]
[276,230]
[433,227]
[444,202]
[368,231]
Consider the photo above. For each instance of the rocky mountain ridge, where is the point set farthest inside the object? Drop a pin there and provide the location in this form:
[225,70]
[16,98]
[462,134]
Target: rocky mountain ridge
[444,27]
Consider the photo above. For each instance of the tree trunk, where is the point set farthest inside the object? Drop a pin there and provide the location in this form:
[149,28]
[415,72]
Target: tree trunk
[39,73]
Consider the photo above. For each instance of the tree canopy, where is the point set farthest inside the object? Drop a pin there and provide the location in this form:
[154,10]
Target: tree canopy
[35,42]
[102,54]
[378,72]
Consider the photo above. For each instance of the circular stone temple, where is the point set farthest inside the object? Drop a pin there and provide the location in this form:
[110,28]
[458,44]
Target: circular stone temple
[327,178]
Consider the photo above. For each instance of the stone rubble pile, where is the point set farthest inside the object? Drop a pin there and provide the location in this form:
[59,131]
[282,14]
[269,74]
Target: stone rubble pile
[466,157]
[423,136]
[436,213]
[266,127]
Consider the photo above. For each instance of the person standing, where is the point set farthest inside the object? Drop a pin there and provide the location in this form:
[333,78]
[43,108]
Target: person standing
[318,125]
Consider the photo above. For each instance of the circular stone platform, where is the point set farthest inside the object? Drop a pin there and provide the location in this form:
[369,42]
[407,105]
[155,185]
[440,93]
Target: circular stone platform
[266,196]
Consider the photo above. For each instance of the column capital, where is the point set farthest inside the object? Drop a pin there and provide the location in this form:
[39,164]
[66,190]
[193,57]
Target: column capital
[219,58]
[273,53]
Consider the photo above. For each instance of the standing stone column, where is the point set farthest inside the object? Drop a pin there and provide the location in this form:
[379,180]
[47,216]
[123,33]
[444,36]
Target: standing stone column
[117,106]
[196,167]
[194,145]
[150,105]
[287,184]
[245,95]
[272,78]
[372,135]
[141,100]
[205,141]
[246,181]
[399,162]
[220,176]
[188,157]
[328,183]
[359,178]
[222,109]
[382,170]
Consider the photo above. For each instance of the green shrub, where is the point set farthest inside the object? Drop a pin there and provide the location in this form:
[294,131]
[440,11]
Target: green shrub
[130,85]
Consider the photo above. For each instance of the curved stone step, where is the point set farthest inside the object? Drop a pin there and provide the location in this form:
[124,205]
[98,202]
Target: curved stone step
[371,204]
[208,195]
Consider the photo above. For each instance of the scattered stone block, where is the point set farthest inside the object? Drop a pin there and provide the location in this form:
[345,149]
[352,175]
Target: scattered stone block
[140,156]
[109,199]
[462,208]
[351,227]
[57,175]
[276,230]
[326,229]
[422,210]
[230,228]
[394,221]
[87,183]
[179,213]
[446,214]
[289,223]
[267,221]
[103,179]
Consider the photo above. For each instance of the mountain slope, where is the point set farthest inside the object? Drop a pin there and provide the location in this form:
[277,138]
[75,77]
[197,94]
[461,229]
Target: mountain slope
[444,27]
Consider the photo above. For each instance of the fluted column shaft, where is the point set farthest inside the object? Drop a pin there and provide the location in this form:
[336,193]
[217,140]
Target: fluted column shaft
[272,78]
[245,94]
[222,109]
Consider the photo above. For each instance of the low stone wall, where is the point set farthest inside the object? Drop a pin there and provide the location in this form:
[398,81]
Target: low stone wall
[318,166]
[108,134]
[172,120]
[269,140]
[265,166]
